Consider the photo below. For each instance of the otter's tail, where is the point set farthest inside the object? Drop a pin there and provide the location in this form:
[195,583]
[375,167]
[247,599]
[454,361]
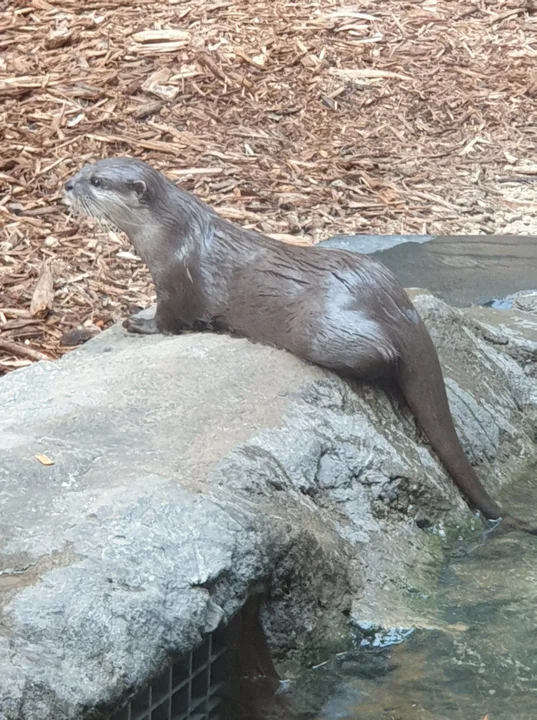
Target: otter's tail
[421,382]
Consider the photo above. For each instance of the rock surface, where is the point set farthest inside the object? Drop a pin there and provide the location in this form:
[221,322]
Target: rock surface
[187,469]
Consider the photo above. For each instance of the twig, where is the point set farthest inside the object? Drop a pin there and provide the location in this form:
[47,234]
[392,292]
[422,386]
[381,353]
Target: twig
[22,351]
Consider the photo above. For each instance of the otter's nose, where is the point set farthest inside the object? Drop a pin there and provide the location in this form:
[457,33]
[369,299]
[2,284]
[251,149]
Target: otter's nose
[69,186]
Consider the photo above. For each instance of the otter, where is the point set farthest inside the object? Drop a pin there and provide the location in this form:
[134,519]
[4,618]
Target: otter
[336,309]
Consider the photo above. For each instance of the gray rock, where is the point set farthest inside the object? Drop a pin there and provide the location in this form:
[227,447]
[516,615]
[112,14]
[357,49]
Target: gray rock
[187,469]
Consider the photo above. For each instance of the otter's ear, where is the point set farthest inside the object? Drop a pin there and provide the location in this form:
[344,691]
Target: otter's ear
[139,188]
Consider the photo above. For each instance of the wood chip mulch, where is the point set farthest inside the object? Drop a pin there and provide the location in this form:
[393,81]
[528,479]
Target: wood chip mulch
[300,118]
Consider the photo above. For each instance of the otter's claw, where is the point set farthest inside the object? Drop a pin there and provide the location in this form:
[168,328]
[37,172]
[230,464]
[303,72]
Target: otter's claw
[141,326]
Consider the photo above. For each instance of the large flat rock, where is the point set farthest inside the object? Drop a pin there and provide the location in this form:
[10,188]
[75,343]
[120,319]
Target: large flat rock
[187,469]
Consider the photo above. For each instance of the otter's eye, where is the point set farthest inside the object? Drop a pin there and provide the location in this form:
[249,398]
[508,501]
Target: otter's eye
[95,182]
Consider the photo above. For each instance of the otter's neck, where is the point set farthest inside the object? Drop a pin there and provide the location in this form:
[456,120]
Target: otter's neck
[150,243]
[156,238]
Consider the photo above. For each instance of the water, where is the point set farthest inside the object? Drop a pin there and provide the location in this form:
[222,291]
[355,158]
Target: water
[480,662]
[462,270]
[370,244]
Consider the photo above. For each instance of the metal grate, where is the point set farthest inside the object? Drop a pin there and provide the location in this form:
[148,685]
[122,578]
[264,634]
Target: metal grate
[192,688]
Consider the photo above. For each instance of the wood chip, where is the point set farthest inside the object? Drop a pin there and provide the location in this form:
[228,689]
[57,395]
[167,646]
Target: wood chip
[44,460]
[43,295]
[354,73]
[299,120]
[12,348]
[166,35]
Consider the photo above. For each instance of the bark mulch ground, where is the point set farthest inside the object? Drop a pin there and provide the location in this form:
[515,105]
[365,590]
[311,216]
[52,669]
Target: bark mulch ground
[301,119]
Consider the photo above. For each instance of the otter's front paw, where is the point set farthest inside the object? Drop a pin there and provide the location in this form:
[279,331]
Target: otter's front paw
[141,326]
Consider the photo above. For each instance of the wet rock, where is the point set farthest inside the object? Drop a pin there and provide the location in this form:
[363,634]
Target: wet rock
[525,300]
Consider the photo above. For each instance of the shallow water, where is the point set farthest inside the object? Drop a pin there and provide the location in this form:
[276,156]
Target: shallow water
[483,663]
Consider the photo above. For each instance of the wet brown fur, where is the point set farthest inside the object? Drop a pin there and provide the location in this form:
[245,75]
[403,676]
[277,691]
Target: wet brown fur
[339,310]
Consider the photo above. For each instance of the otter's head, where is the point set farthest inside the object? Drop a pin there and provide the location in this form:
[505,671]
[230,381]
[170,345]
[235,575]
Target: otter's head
[117,191]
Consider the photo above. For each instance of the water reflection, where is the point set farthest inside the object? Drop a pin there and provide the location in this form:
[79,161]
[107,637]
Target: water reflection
[259,691]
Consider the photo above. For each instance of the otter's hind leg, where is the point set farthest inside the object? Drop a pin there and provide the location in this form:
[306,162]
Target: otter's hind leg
[356,347]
